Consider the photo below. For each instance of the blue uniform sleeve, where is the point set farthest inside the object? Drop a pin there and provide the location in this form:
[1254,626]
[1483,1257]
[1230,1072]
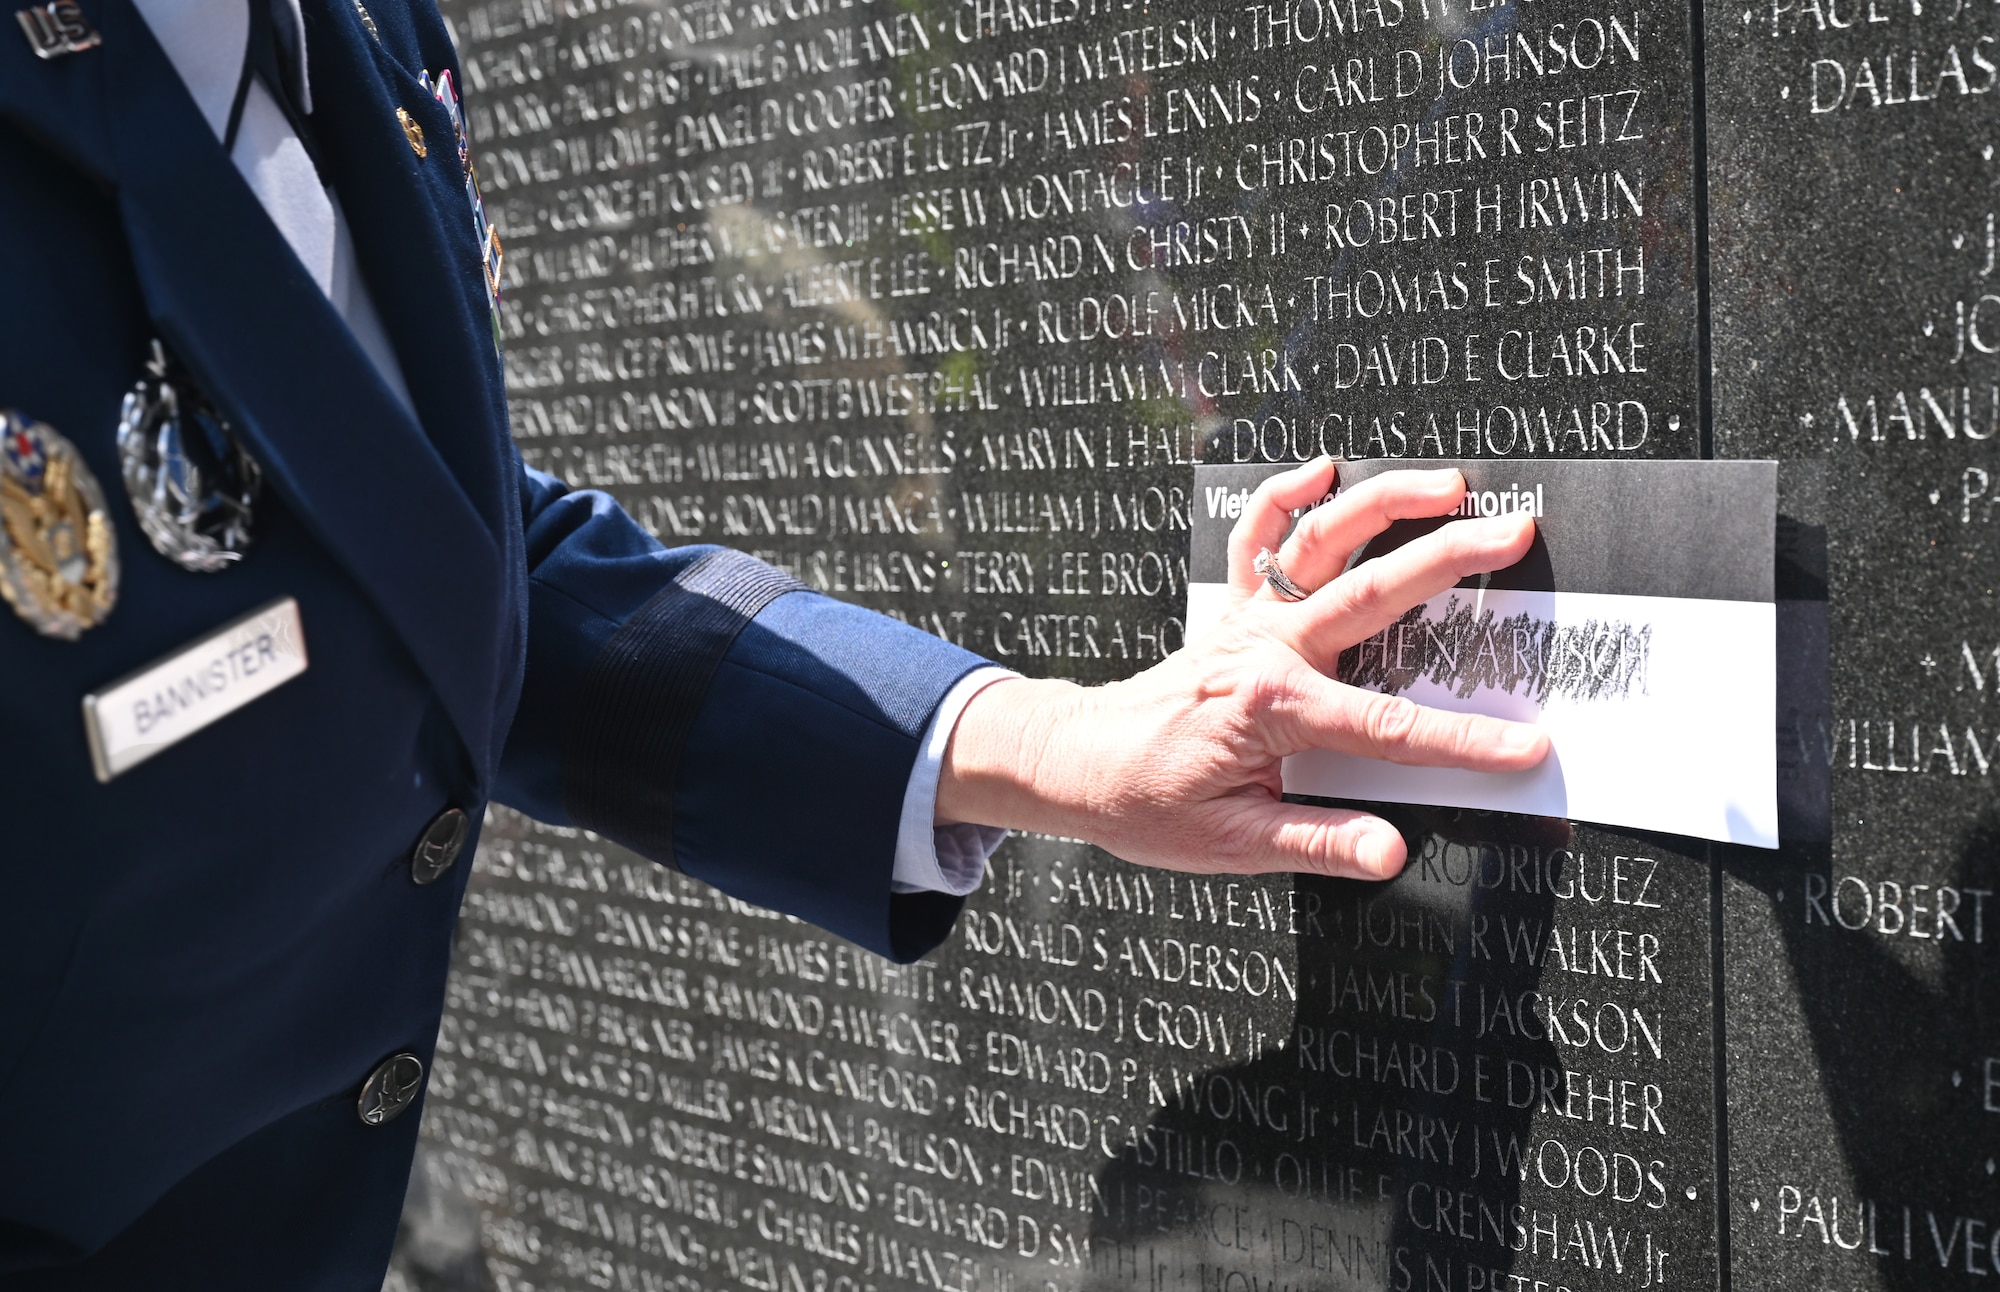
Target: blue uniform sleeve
[709,712]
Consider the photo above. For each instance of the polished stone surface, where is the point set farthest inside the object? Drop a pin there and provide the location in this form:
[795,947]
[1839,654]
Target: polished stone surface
[1853,184]
[936,305]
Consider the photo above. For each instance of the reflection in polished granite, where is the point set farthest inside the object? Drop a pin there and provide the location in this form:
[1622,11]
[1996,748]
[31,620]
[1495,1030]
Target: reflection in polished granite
[935,306]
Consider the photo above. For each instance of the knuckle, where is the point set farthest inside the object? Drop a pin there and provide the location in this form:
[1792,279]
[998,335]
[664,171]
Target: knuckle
[1260,717]
[1465,737]
[1268,693]
[1390,722]
[1362,588]
[1383,494]
[1461,550]
[1326,849]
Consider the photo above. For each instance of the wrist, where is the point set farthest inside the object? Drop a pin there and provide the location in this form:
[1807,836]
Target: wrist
[1011,761]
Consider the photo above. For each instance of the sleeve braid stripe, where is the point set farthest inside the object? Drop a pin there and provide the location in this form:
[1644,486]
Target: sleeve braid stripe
[645,688]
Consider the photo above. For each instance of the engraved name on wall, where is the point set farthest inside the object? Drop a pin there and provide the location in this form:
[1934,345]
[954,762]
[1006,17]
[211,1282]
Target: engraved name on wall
[1852,164]
[934,305]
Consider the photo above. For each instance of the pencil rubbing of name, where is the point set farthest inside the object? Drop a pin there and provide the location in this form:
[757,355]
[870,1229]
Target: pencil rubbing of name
[1467,649]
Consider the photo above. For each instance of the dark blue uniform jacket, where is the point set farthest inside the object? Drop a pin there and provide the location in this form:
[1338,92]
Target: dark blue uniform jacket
[202,960]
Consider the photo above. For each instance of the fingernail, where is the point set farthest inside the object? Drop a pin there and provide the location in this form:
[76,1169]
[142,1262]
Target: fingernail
[1518,739]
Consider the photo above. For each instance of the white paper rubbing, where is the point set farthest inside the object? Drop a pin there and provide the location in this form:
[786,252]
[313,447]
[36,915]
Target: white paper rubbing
[1676,735]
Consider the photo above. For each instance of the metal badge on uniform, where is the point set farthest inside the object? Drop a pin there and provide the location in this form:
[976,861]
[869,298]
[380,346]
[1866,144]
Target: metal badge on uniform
[57,28]
[487,237]
[412,132]
[193,486]
[169,700]
[58,552]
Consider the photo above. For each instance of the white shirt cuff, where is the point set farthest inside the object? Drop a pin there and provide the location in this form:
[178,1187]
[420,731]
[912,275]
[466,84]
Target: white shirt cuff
[949,858]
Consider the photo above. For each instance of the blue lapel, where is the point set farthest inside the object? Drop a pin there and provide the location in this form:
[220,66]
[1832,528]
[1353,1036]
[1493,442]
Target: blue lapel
[226,292]
[413,229]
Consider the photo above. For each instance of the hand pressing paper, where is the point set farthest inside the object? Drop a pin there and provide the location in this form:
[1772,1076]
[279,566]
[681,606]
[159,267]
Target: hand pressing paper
[1639,632]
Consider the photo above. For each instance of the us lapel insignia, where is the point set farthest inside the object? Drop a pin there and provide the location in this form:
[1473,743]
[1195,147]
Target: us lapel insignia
[57,28]
[58,554]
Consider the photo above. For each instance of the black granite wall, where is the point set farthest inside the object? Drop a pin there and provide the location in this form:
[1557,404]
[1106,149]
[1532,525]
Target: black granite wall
[936,305]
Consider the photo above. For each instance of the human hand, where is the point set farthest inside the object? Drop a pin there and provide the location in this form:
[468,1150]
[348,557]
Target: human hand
[1178,767]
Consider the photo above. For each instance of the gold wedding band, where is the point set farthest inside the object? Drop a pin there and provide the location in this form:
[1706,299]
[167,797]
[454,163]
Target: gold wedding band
[1266,564]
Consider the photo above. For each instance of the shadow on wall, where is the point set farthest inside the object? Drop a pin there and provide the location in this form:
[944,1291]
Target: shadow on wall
[1326,1161]
[1887,1044]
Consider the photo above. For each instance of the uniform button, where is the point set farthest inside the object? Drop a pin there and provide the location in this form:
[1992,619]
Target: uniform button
[438,849]
[390,1089]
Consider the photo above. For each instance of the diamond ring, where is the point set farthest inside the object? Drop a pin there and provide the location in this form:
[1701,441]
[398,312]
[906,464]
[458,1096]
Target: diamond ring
[1266,564]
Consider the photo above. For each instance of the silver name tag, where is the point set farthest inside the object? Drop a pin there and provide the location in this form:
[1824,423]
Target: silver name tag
[169,700]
